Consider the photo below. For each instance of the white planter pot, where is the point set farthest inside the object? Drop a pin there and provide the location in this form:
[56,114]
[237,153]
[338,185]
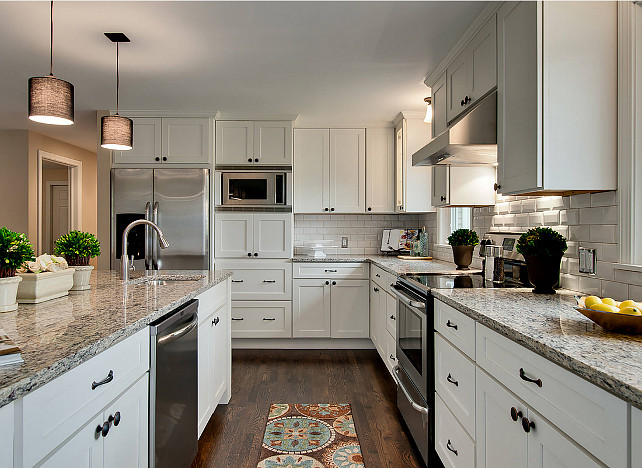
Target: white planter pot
[8,291]
[81,278]
[40,287]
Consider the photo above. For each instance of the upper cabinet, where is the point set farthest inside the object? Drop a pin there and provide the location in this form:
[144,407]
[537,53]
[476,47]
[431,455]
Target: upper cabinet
[184,140]
[254,142]
[330,170]
[412,183]
[557,97]
[439,106]
[253,235]
[380,170]
[472,74]
[463,185]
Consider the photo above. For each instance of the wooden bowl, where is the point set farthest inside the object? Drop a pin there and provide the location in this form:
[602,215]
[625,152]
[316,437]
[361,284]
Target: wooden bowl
[612,321]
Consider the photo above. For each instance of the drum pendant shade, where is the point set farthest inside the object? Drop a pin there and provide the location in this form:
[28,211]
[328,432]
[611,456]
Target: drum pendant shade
[116,132]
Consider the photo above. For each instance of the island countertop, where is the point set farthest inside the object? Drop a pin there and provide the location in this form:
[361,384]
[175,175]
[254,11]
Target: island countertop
[56,336]
[551,327]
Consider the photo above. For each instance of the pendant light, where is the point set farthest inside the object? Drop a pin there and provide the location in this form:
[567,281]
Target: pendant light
[428,118]
[51,100]
[116,131]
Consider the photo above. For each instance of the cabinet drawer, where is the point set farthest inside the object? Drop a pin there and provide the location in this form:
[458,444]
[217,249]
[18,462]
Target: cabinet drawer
[55,411]
[261,319]
[592,417]
[456,327]
[382,277]
[391,352]
[331,270]
[391,315]
[211,300]
[454,447]
[266,281]
[455,382]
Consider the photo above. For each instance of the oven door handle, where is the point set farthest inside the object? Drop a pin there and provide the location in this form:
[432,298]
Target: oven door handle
[415,405]
[406,299]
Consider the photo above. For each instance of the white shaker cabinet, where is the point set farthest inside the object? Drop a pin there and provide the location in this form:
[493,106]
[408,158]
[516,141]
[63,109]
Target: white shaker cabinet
[380,170]
[311,308]
[253,235]
[234,234]
[349,309]
[311,170]
[83,450]
[254,142]
[273,142]
[439,106]
[377,309]
[273,235]
[234,142]
[146,146]
[463,185]
[636,434]
[556,129]
[7,419]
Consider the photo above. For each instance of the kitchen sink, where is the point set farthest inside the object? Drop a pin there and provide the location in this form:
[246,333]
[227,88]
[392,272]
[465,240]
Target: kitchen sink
[159,280]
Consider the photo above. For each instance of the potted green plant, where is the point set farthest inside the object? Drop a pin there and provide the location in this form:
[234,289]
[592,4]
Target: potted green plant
[78,247]
[542,249]
[15,249]
[463,242]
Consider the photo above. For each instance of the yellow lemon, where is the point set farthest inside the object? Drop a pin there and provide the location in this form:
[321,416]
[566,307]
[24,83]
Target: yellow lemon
[631,311]
[629,303]
[591,300]
[609,301]
[604,308]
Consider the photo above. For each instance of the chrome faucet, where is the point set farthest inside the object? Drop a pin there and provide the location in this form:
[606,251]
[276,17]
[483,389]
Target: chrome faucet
[125,265]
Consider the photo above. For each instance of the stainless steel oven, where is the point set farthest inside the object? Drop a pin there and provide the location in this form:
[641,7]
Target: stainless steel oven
[253,188]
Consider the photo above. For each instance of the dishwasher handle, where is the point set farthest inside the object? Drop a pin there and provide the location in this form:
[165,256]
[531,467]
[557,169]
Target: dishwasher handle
[166,339]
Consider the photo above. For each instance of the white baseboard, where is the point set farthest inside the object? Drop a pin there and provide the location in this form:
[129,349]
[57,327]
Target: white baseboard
[302,343]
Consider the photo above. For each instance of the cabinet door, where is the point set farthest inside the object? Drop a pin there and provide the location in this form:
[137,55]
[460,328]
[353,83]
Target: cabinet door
[400,168]
[205,367]
[519,108]
[636,434]
[234,142]
[440,185]
[500,440]
[219,351]
[273,235]
[348,170]
[549,448]
[234,235]
[311,170]
[273,142]
[350,309]
[311,308]
[83,450]
[390,317]
[482,53]
[471,185]
[457,88]
[375,320]
[146,147]
[380,170]
[6,431]
[126,444]
[439,104]
[186,140]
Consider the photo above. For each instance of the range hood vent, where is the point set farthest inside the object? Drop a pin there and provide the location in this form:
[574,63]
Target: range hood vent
[471,140]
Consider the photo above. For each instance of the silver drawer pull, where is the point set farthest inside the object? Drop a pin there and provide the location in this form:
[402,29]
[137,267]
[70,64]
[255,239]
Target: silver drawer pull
[269,281]
[236,319]
[237,281]
[269,319]
[331,271]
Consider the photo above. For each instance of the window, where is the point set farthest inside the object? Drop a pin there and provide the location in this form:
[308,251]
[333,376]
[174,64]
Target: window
[449,219]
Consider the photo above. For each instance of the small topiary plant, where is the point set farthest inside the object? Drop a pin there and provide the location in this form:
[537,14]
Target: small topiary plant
[15,249]
[542,242]
[463,237]
[77,247]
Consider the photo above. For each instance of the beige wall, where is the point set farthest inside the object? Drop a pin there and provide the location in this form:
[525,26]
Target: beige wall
[14,209]
[50,175]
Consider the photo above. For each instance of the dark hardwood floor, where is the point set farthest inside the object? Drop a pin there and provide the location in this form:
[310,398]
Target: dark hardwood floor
[262,377]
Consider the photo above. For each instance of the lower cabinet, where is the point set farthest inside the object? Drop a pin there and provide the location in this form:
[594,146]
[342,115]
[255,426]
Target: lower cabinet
[261,319]
[453,445]
[636,434]
[330,308]
[7,420]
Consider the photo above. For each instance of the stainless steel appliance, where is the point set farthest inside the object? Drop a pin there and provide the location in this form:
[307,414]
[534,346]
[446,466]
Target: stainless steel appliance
[173,387]
[472,139]
[252,188]
[178,201]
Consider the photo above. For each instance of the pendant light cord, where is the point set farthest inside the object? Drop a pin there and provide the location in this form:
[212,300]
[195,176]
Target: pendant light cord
[51,43]
[117,75]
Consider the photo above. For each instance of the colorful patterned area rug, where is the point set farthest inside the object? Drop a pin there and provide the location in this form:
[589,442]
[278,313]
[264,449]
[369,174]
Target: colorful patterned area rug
[310,436]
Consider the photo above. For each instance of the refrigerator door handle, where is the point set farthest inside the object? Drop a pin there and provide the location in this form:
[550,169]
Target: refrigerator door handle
[148,233]
[154,241]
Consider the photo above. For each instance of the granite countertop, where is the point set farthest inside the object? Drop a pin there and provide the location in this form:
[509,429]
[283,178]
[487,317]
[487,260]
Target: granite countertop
[56,336]
[550,326]
[392,264]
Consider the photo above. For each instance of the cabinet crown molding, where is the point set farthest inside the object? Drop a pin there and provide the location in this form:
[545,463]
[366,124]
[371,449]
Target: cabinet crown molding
[254,116]
[165,113]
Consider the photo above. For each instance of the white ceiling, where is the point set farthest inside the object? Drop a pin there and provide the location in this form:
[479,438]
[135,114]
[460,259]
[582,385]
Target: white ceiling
[327,61]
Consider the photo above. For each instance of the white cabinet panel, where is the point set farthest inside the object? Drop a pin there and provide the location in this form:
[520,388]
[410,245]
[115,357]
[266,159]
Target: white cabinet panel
[273,235]
[482,52]
[205,367]
[376,327]
[83,450]
[311,308]
[234,142]
[454,447]
[439,112]
[390,357]
[7,419]
[636,434]
[457,78]
[186,140]
[126,444]
[413,183]
[273,142]
[463,185]
[380,170]
[331,270]
[391,315]
[349,305]
[440,185]
[234,234]
[261,319]
[146,146]
[456,327]
[347,170]
[259,280]
[311,170]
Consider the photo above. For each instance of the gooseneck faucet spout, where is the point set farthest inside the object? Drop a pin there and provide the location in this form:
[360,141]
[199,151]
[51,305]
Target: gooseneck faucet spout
[125,266]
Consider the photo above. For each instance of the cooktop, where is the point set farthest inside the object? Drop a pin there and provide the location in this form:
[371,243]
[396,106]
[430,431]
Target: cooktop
[474,280]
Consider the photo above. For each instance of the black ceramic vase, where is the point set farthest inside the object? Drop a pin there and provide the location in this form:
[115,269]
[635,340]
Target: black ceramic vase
[463,256]
[543,273]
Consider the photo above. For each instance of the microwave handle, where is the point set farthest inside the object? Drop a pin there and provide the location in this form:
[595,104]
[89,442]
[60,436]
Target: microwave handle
[406,300]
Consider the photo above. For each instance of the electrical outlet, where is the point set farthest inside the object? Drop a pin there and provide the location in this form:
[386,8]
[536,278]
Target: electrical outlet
[587,260]
[344,242]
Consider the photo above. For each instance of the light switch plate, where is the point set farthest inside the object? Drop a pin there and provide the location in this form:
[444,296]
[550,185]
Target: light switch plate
[344,242]
[587,260]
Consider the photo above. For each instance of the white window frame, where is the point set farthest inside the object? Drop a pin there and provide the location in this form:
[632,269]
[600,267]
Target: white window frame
[445,222]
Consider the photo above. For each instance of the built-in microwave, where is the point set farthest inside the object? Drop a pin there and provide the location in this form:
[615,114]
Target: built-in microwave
[251,188]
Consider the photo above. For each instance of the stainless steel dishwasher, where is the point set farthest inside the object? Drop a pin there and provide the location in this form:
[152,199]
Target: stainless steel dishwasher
[173,388]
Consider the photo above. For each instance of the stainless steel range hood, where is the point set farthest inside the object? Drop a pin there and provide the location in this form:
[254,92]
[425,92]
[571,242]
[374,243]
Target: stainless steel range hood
[471,140]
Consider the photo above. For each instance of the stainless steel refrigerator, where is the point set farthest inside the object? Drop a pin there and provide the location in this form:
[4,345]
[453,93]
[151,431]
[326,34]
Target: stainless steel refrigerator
[178,200]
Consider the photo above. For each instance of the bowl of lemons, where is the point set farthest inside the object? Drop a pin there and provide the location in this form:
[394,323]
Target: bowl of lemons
[612,315]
